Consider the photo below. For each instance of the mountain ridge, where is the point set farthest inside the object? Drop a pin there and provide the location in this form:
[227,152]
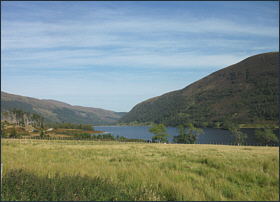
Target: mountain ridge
[57,111]
[245,92]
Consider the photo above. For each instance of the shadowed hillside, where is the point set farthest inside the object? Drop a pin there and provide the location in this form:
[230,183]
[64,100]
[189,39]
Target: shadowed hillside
[246,92]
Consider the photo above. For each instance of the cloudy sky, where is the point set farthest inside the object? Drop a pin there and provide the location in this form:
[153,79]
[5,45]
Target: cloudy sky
[114,55]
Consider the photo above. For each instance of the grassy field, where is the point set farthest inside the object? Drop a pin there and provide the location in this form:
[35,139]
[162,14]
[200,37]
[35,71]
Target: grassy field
[139,172]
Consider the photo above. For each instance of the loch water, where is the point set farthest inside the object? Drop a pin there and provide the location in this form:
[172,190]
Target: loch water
[210,136]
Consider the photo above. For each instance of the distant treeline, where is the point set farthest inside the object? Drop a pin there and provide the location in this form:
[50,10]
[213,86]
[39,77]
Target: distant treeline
[105,137]
[21,118]
[71,126]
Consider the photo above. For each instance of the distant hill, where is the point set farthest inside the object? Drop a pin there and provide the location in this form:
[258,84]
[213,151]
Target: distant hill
[246,92]
[57,103]
[56,111]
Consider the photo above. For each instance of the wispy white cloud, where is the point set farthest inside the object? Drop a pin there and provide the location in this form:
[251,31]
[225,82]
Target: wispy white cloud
[120,31]
[80,59]
[75,41]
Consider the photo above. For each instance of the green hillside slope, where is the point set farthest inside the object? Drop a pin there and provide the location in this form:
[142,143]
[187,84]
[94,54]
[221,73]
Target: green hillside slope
[56,111]
[246,92]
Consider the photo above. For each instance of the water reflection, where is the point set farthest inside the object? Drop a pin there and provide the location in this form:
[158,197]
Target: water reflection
[211,135]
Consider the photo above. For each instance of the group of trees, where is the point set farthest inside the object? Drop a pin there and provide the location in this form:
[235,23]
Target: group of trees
[188,134]
[237,134]
[159,132]
[263,134]
[11,132]
[82,136]
[19,117]
[266,135]
[105,137]
[44,135]
[73,126]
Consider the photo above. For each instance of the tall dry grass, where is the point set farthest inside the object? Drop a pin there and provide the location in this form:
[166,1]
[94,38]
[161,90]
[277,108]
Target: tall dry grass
[165,171]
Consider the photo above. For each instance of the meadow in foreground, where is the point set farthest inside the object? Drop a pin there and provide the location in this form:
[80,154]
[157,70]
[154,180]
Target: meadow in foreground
[139,172]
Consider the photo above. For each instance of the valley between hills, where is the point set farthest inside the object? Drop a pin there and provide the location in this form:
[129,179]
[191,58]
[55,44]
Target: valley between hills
[246,93]
[81,166]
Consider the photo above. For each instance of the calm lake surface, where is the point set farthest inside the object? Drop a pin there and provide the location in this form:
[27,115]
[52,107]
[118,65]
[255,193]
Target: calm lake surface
[216,136]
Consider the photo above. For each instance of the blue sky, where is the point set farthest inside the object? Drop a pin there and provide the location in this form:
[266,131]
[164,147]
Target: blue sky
[114,55]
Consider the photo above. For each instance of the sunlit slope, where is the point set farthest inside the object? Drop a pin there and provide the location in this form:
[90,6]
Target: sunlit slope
[246,92]
[58,111]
